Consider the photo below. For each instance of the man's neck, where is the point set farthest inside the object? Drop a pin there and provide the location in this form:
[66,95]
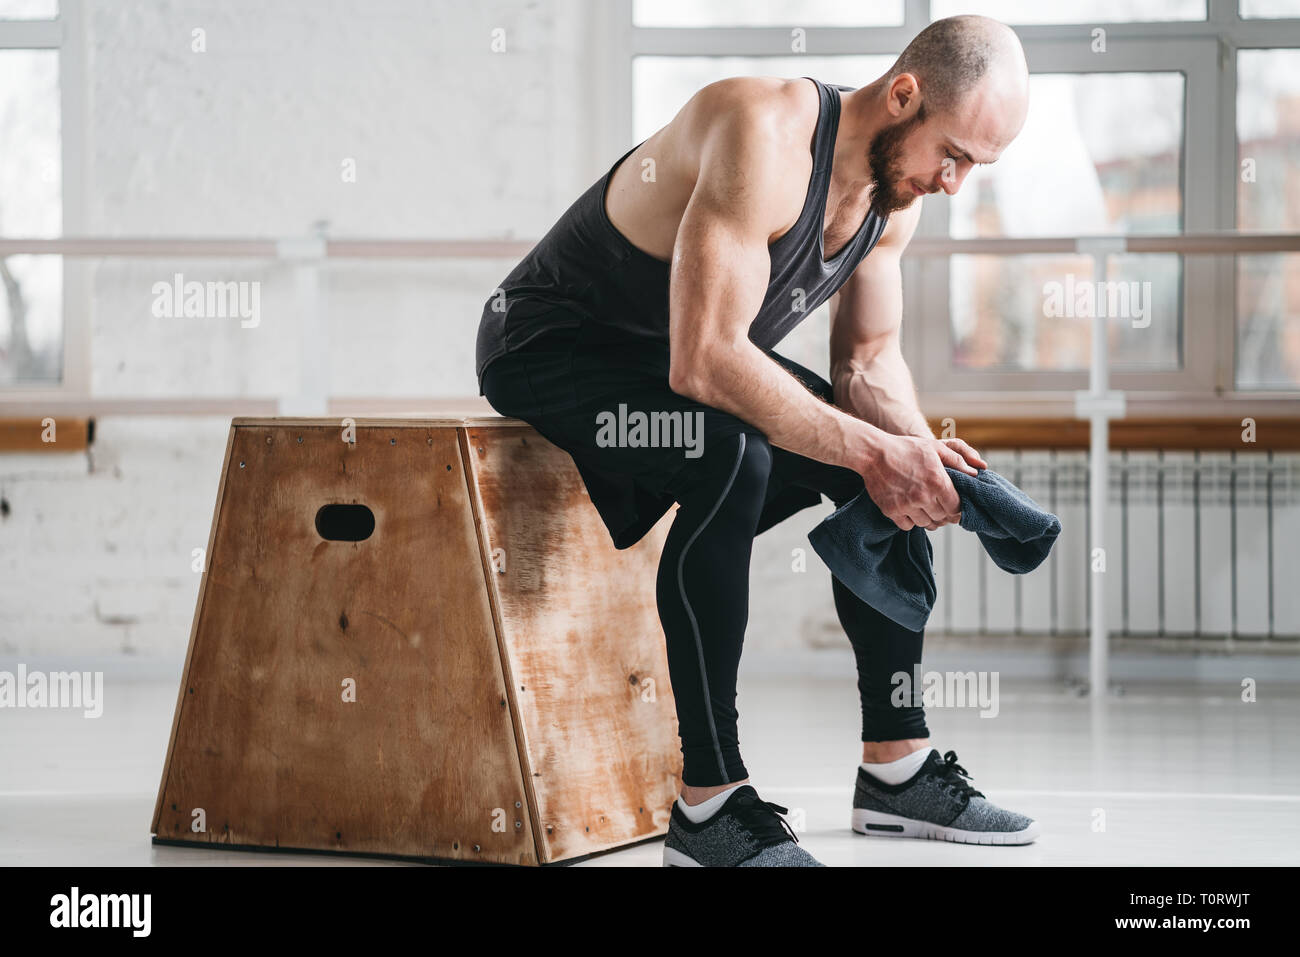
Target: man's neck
[862,116]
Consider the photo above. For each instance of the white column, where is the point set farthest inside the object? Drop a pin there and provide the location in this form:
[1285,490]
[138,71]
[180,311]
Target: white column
[309,394]
[1099,405]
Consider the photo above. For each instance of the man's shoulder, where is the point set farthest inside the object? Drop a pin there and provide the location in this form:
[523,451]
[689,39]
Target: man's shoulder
[752,136]
[757,104]
[761,124]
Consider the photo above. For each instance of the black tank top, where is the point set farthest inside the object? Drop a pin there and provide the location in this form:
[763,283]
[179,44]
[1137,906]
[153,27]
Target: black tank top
[584,268]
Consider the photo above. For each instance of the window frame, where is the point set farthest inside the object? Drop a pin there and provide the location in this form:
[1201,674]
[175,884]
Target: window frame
[64,34]
[1194,59]
[1204,51]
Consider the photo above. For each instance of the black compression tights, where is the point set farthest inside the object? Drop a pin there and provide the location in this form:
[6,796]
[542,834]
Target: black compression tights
[703,598]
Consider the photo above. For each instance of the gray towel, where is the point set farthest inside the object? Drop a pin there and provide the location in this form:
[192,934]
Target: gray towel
[892,570]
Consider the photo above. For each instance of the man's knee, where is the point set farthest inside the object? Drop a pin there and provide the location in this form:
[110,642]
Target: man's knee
[753,460]
[740,502]
[732,472]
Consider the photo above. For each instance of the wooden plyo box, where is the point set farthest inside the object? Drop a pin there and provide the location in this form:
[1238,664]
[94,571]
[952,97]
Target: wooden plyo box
[471,673]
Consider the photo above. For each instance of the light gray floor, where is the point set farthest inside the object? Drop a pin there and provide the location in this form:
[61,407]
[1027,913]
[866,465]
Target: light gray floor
[1183,774]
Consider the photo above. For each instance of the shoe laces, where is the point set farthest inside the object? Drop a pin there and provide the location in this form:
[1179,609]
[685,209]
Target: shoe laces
[955,778]
[763,819]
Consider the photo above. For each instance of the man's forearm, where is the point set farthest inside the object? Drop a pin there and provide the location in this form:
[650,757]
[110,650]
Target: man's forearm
[880,391]
[741,380]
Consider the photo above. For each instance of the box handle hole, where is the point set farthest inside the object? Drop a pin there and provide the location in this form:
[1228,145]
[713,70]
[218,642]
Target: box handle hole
[345,523]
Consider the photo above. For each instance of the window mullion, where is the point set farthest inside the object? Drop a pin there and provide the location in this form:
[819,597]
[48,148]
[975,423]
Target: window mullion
[916,15]
[1205,181]
[31,34]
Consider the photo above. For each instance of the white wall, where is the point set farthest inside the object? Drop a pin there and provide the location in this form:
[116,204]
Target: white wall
[96,546]
[247,140]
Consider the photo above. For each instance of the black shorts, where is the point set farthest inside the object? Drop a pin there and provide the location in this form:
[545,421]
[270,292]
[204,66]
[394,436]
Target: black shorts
[604,398]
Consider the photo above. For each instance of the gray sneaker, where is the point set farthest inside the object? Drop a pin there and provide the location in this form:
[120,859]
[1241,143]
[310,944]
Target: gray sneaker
[745,832]
[938,804]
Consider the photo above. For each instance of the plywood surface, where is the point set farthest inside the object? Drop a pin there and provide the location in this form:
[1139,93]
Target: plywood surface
[424,762]
[583,645]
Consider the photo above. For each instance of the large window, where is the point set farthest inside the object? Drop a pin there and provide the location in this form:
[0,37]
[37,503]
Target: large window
[31,313]
[31,193]
[1129,135]
[1268,199]
[1100,153]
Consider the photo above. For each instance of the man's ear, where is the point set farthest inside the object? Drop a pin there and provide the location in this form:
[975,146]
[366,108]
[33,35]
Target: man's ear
[904,90]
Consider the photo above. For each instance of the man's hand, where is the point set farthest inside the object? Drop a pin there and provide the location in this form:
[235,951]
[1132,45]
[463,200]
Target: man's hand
[907,481]
[968,454]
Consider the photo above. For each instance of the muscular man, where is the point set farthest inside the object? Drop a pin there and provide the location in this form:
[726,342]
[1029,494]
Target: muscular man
[664,289]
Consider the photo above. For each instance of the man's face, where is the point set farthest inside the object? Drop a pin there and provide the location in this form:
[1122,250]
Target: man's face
[926,152]
[894,188]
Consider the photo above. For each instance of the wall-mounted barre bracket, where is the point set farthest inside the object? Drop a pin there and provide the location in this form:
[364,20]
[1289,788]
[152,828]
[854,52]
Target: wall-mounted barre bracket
[1112,405]
[1100,245]
[299,248]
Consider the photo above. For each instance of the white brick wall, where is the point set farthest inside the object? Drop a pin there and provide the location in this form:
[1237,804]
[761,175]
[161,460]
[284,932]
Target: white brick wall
[247,139]
[97,546]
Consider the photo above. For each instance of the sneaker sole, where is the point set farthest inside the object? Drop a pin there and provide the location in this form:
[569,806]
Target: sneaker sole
[675,858]
[879,824]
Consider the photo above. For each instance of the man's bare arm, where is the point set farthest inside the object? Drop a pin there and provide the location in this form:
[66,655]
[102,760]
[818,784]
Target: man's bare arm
[720,273]
[868,372]
[882,392]
[719,278]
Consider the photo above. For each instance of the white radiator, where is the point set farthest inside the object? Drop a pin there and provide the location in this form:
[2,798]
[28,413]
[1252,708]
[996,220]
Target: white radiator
[1197,544]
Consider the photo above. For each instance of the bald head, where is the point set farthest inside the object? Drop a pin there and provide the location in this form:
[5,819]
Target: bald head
[954,99]
[956,57]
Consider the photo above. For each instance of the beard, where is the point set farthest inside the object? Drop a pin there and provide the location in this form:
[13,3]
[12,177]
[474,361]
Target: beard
[891,193]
